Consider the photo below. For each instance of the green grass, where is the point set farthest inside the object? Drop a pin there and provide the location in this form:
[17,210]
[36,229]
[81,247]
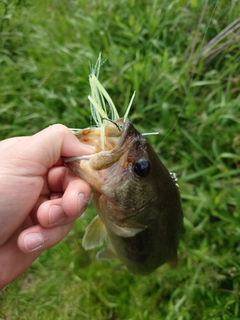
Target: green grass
[187,88]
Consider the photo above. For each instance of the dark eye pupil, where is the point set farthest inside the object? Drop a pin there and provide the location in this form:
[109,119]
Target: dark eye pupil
[142,168]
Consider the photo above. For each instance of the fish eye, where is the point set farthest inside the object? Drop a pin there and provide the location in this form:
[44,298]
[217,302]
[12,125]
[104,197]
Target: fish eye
[142,168]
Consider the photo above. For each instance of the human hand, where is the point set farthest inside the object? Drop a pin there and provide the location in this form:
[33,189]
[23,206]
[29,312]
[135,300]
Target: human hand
[39,197]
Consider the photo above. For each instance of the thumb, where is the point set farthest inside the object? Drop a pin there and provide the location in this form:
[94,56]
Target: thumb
[48,145]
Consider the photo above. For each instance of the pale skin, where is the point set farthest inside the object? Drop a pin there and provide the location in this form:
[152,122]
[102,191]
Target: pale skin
[39,198]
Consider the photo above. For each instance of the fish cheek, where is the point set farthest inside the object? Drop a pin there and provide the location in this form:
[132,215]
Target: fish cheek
[132,194]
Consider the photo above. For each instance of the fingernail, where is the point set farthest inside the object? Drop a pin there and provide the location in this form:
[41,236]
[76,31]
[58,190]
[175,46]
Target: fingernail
[56,214]
[33,241]
[82,201]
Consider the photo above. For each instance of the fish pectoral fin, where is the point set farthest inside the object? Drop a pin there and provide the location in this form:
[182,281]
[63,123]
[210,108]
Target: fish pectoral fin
[106,254]
[126,232]
[95,234]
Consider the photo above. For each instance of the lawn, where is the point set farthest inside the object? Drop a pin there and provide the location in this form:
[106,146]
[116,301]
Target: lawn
[183,60]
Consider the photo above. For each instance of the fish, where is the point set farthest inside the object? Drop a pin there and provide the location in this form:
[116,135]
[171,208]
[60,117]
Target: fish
[136,198]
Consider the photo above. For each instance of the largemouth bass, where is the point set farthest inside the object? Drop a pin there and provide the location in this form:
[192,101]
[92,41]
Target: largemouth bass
[136,198]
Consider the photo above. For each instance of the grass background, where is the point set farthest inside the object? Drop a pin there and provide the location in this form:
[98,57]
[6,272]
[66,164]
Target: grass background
[183,60]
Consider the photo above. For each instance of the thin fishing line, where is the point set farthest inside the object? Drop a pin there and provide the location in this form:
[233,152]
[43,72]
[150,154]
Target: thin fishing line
[113,122]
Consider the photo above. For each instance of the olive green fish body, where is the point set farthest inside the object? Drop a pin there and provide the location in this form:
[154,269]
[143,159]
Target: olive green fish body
[154,245]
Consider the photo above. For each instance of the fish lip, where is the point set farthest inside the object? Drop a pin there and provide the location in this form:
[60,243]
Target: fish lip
[128,132]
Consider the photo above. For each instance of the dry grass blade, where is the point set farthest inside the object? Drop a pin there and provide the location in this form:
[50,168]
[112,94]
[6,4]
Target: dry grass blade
[234,26]
[210,50]
[213,48]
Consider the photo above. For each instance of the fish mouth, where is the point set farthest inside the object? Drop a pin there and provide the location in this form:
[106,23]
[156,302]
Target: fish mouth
[126,140]
[91,168]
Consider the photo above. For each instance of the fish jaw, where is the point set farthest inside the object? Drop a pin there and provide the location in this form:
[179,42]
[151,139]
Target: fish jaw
[96,169]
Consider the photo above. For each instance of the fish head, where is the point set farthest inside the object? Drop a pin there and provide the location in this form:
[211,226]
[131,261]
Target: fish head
[127,172]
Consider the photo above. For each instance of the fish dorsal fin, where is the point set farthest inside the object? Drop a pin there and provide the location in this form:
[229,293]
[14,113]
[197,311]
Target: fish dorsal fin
[95,234]
[125,232]
[106,254]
